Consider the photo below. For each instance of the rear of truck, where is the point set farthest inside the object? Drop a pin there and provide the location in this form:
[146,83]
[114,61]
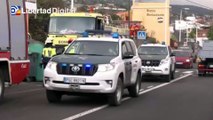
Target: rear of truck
[205,59]
[14,63]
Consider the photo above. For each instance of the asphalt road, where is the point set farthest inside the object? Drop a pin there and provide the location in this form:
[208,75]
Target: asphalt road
[188,97]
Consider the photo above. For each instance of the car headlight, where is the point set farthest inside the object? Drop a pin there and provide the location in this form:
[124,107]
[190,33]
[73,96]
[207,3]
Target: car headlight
[105,67]
[187,60]
[164,61]
[52,65]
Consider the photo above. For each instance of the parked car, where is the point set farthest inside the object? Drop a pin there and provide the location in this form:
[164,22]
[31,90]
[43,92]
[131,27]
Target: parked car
[183,59]
[157,60]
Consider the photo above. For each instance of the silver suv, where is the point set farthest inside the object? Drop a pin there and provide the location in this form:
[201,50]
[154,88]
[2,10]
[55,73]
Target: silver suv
[157,60]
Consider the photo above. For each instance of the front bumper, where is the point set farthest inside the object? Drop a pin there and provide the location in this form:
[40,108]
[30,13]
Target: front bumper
[205,70]
[183,64]
[160,70]
[98,83]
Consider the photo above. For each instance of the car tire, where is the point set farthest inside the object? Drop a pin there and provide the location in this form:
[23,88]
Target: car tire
[53,96]
[2,86]
[200,74]
[173,74]
[135,89]
[115,98]
[168,77]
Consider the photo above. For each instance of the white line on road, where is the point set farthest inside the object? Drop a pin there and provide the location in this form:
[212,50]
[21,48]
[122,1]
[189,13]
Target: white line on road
[176,71]
[150,87]
[124,99]
[141,90]
[188,72]
[164,84]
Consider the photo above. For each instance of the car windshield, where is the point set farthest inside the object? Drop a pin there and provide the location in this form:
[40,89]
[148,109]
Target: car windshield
[99,48]
[147,50]
[71,25]
[181,54]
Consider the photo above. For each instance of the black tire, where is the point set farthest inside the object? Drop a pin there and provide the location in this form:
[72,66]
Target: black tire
[173,74]
[199,74]
[135,89]
[115,98]
[168,78]
[2,87]
[53,96]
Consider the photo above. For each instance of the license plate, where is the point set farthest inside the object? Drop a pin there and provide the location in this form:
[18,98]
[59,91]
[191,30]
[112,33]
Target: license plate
[148,69]
[73,80]
[211,66]
[74,86]
[179,63]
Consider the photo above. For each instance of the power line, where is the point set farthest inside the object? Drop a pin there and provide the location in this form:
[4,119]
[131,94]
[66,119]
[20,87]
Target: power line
[195,3]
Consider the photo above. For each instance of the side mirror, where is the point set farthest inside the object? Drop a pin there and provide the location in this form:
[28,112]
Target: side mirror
[172,54]
[60,51]
[128,55]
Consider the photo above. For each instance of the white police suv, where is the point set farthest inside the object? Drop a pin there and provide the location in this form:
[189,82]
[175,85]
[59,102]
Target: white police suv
[103,65]
[158,60]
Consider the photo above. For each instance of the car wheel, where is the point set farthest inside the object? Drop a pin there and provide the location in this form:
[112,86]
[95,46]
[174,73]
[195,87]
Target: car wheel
[168,77]
[116,97]
[200,74]
[173,74]
[53,96]
[135,89]
[1,86]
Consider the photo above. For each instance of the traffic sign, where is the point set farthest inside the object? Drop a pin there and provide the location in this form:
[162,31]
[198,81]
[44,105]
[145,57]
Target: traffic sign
[141,35]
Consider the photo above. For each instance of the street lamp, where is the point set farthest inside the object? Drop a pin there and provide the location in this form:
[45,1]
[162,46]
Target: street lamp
[130,2]
[181,16]
[72,5]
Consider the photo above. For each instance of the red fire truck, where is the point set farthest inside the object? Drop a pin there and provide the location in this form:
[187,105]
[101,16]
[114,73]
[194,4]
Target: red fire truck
[14,63]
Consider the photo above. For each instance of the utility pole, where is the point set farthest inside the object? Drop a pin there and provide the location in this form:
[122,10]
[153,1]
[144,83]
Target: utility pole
[72,5]
[181,12]
[181,16]
[129,19]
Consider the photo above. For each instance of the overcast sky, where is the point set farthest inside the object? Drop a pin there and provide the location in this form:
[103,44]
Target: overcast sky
[208,3]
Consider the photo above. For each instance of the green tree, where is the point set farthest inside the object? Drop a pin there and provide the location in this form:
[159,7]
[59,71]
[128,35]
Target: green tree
[210,33]
[115,17]
[192,34]
[38,24]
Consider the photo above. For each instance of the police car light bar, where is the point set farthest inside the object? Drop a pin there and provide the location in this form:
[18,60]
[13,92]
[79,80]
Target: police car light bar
[99,32]
[115,35]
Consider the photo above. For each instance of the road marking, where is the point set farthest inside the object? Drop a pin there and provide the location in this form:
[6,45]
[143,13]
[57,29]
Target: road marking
[177,71]
[141,90]
[164,84]
[79,115]
[188,72]
[149,87]
[86,112]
